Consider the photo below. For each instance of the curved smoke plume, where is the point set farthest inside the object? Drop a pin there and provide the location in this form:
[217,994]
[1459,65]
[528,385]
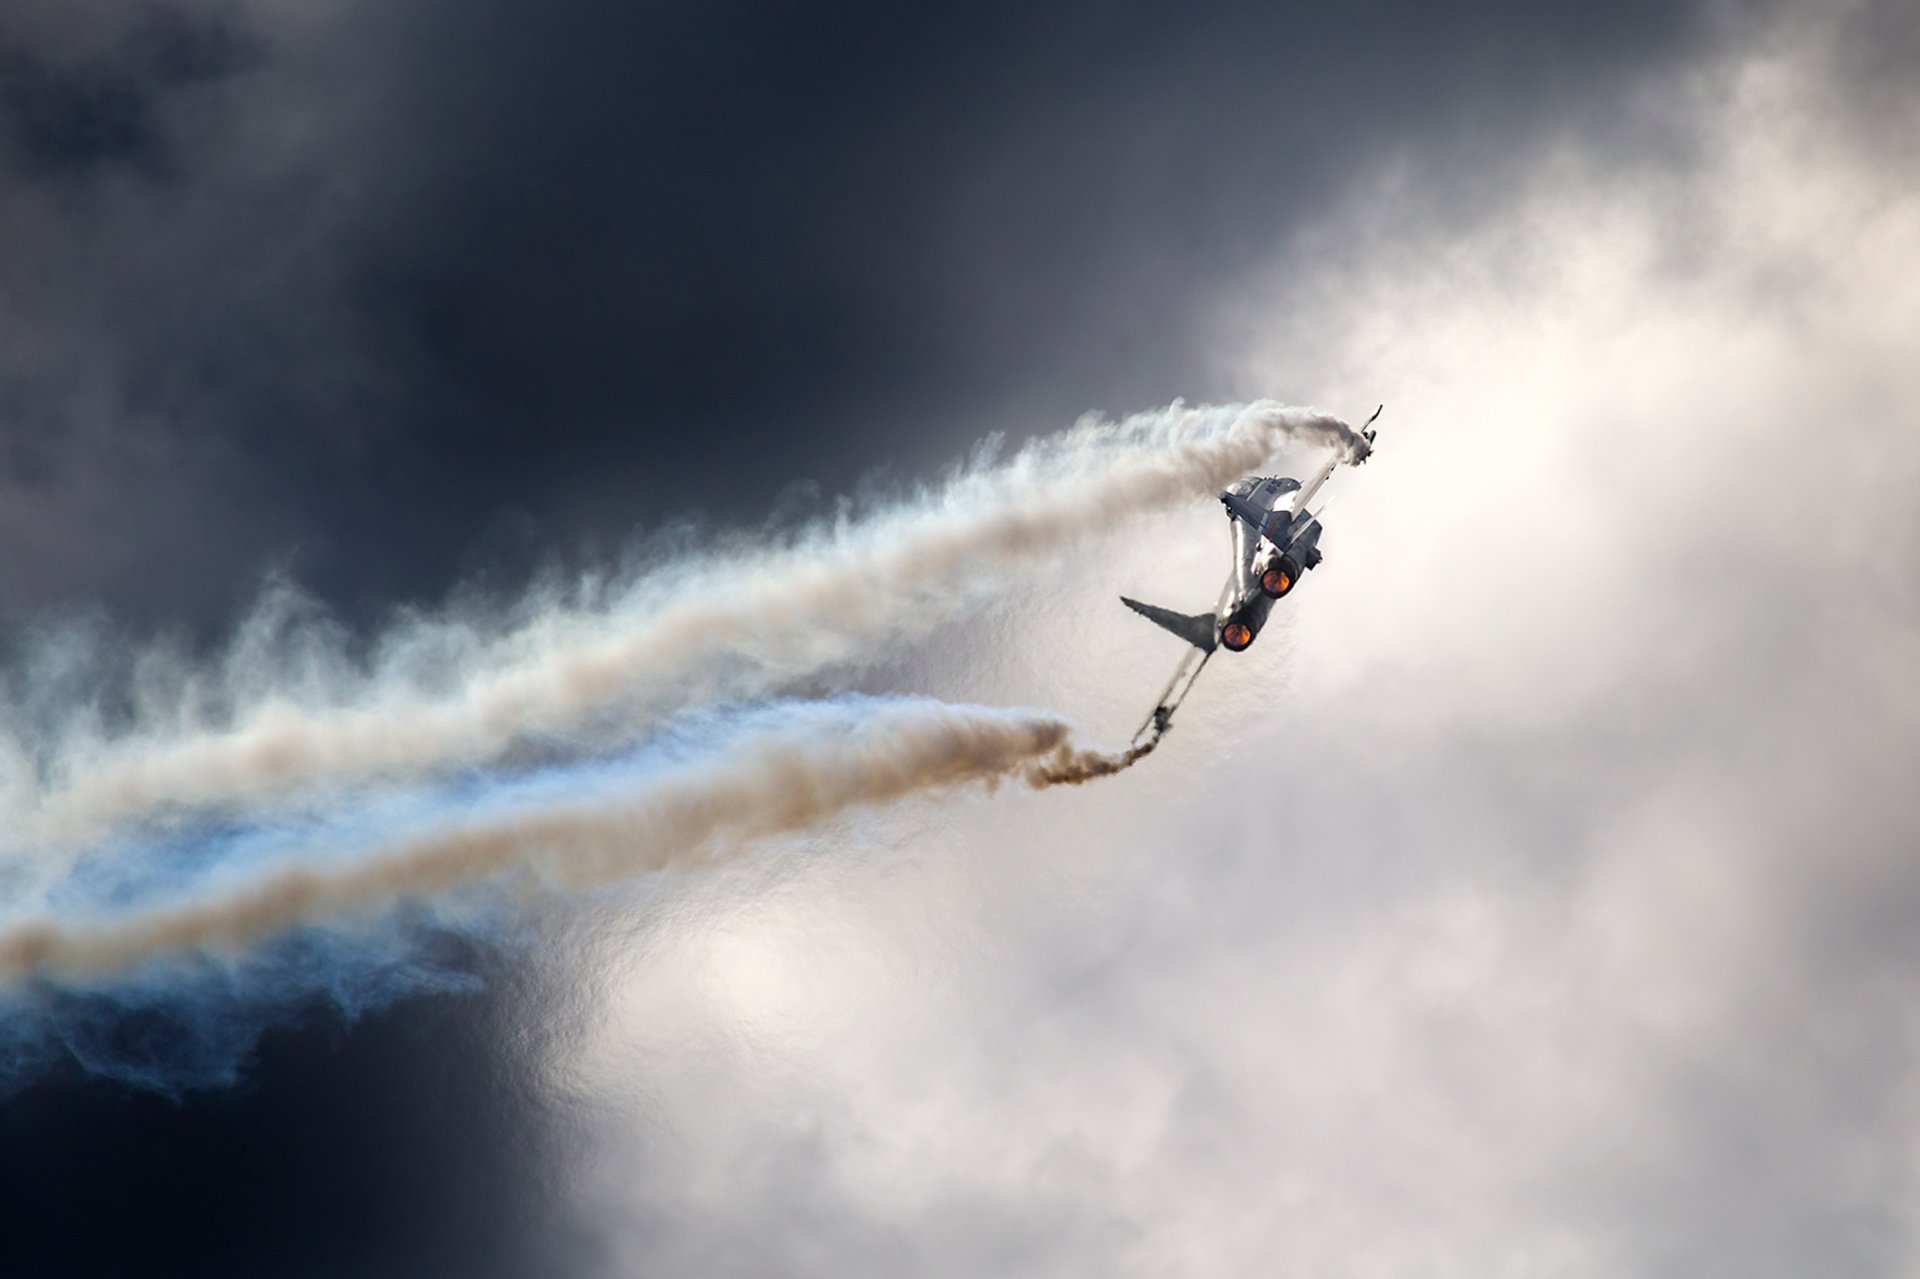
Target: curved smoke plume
[727,624]
[821,761]
[291,827]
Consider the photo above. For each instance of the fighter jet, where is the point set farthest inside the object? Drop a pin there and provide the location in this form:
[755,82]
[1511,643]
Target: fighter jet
[1274,542]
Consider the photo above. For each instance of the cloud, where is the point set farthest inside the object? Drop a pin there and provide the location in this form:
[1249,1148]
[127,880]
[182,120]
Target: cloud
[1537,902]
[294,265]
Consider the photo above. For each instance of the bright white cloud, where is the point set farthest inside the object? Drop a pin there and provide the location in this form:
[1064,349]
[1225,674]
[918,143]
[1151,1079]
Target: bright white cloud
[1536,902]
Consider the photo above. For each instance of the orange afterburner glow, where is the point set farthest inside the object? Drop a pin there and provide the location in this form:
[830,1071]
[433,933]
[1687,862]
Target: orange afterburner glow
[1236,636]
[1275,581]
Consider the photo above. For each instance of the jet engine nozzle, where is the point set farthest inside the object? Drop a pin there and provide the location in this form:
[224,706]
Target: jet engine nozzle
[1279,577]
[1236,636]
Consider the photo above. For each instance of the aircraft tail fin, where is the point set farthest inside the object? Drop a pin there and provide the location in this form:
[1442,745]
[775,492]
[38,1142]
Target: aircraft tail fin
[1368,432]
[1197,629]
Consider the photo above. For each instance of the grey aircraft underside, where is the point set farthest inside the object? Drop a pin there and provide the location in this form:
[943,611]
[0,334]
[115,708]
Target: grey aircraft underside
[1275,540]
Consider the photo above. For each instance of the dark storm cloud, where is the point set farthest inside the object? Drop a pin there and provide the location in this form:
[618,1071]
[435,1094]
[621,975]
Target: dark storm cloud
[585,261]
[394,1151]
[815,240]
[169,311]
[105,111]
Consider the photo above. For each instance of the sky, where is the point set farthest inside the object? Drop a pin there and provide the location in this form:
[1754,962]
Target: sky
[1531,899]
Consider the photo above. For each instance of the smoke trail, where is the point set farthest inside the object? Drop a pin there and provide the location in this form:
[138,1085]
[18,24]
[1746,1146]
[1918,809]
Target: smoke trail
[726,624]
[823,760]
[167,906]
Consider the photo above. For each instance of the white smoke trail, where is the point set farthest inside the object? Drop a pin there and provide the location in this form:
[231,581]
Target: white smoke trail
[722,625]
[823,760]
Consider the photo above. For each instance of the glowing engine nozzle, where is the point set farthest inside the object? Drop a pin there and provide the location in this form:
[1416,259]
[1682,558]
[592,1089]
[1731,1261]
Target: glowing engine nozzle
[1235,636]
[1279,578]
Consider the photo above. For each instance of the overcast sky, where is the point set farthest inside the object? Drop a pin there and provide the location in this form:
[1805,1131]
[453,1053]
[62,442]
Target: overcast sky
[1532,899]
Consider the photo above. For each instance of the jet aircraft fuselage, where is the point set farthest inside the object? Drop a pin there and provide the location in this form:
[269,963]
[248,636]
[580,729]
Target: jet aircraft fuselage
[1275,540]
[1270,552]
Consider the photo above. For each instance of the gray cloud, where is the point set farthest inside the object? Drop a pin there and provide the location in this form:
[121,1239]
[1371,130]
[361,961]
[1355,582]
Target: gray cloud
[576,263]
[1578,940]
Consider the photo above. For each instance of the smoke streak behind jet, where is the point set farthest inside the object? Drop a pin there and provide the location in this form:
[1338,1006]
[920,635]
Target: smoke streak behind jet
[725,624]
[815,763]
